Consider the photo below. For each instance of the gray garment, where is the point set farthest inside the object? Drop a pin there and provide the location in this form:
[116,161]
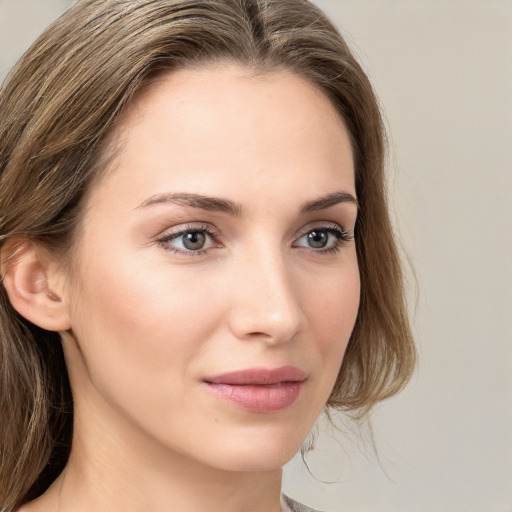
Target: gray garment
[289,505]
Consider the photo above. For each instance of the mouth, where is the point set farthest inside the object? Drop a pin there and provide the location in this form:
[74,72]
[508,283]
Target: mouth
[259,390]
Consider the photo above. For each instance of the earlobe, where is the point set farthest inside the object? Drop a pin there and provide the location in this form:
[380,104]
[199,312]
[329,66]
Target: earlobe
[32,285]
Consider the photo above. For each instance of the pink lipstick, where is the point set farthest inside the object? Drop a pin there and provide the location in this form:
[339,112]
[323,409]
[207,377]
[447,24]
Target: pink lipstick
[259,390]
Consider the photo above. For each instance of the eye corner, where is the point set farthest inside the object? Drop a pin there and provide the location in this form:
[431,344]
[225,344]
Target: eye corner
[169,240]
[330,237]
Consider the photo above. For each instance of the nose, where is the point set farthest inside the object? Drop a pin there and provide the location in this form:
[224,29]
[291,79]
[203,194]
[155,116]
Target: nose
[266,301]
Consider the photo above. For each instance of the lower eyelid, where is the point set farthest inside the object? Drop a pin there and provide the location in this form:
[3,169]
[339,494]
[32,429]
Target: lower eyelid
[336,231]
[166,239]
[342,236]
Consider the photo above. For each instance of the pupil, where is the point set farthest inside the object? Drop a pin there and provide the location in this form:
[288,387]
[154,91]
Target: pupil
[194,240]
[318,239]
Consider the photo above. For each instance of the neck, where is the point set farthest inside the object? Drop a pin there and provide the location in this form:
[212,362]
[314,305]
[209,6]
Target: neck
[131,472]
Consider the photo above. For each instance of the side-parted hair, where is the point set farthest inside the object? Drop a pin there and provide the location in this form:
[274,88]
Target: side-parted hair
[56,108]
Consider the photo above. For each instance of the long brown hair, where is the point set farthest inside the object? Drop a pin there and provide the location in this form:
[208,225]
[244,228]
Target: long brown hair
[56,108]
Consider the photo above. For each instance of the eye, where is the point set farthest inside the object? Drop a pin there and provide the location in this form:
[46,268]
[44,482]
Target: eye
[193,240]
[324,238]
[190,240]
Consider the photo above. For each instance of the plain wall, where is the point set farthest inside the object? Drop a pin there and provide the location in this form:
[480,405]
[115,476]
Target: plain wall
[443,71]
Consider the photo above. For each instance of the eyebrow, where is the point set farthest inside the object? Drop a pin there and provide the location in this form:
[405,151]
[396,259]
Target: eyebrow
[213,204]
[328,201]
[217,204]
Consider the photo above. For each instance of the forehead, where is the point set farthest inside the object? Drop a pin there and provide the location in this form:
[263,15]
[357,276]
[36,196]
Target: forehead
[222,128]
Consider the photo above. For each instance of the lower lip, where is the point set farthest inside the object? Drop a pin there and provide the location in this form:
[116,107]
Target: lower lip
[261,399]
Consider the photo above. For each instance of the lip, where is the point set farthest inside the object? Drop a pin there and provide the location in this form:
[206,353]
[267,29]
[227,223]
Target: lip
[260,390]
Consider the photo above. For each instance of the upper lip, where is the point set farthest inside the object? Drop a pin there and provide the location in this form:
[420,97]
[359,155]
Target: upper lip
[259,376]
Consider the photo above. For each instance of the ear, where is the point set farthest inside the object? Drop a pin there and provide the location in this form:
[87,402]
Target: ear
[34,284]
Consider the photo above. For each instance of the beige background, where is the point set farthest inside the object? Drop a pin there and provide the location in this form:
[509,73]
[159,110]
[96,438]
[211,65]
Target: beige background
[443,70]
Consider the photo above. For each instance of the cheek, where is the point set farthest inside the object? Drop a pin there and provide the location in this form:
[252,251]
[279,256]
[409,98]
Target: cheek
[138,342]
[332,315]
[333,309]
[133,325]
[131,291]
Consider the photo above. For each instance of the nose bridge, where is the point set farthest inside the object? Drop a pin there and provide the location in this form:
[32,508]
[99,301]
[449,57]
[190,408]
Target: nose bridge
[267,303]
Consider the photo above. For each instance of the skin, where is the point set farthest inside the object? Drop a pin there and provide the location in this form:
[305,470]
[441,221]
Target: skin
[147,324]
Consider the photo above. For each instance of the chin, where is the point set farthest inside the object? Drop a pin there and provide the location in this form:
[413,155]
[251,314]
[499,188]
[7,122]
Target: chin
[246,461]
[266,450]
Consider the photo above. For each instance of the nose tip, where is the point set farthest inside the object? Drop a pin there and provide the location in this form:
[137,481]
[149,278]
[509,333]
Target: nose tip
[273,326]
[267,307]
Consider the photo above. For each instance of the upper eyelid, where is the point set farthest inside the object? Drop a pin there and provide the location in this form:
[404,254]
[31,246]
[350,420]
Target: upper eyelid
[325,225]
[168,236]
[190,228]
[213,231]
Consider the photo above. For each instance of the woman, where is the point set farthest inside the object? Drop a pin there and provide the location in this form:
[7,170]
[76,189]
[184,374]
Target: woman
[196,254]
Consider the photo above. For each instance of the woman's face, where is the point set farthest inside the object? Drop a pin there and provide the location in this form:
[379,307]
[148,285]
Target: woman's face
[216,282]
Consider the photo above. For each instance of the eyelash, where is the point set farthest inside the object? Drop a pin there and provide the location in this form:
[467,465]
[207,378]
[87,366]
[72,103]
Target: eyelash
[202,228]
[342,237]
